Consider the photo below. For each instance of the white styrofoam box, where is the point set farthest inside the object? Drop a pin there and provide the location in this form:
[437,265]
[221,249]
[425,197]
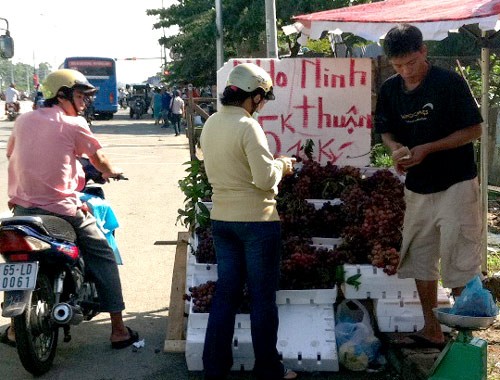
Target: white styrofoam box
[243,357]
[312,347]
[377,284]
[405,315]
[330,243]
[200,320]
[318,203]
[306,337]
[307,297]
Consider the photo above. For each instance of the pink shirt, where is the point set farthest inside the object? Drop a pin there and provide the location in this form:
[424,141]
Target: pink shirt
[43,170]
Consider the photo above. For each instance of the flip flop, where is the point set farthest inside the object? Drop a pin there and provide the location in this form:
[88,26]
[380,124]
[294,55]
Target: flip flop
[134,337]
[423,342]
[4,338]
[288,374]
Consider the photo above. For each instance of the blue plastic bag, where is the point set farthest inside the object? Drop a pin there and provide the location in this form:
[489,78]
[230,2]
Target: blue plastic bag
[357,344]
[475,301]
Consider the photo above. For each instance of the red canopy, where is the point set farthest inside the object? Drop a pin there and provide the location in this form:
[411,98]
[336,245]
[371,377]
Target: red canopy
[371,21]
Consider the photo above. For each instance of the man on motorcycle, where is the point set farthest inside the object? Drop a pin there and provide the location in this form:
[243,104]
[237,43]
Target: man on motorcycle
[12,96]
[44,176]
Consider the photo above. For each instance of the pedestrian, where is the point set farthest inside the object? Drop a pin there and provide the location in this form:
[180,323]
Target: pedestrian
[12,96]
[166,99]
[245,224]
[157,105]
[47,183]
[177,110]
[429,120]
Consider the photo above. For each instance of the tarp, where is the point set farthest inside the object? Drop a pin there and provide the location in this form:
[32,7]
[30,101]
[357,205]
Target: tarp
[371,21]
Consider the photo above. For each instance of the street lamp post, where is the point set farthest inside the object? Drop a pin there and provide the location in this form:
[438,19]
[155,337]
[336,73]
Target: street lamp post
[219,41]
[272,41]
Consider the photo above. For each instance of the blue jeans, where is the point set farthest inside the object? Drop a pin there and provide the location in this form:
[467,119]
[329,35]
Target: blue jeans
[247,252]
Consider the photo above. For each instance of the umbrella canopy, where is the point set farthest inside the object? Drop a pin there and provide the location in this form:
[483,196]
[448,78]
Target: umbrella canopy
[371,21]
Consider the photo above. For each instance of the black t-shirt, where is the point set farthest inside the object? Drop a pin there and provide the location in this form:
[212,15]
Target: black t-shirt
[439,106]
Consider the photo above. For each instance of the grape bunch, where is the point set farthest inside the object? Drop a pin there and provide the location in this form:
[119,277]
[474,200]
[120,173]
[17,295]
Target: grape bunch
[304,266]
[385,257]
[296,215]
[314,181]
[328,221]
[202,296]
[205,251]
[374,216]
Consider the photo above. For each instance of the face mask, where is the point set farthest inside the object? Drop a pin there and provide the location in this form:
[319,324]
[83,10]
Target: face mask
[255,115]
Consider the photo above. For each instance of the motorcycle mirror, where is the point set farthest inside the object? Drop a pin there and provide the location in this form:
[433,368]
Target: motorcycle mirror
[6,46]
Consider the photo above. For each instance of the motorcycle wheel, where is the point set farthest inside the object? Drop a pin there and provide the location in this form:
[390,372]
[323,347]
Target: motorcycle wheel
[36,334]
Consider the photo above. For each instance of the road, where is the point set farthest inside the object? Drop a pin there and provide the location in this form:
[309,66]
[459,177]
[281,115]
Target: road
[146,207]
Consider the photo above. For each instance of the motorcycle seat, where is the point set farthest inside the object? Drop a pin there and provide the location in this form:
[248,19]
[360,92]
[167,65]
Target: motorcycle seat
[52,226]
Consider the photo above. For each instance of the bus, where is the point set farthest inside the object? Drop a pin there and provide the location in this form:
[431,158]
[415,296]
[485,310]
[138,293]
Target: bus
[101,72]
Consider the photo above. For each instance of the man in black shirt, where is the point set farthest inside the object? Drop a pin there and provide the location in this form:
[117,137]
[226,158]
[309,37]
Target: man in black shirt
[428,118]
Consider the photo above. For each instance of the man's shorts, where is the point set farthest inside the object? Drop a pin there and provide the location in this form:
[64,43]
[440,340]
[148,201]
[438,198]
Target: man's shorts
[443,226]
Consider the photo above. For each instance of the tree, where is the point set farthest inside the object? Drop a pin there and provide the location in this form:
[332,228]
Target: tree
[21,74]
[244,32]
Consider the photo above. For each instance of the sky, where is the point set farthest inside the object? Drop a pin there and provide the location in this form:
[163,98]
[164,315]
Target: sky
[49,31]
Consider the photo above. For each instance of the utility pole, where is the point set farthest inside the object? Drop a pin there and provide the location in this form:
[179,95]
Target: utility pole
[272,40]
[219,42]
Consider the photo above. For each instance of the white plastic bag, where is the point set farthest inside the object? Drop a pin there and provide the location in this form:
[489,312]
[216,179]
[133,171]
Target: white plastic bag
[358,347]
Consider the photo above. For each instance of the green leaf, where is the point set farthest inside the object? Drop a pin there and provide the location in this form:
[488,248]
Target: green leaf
[354,281]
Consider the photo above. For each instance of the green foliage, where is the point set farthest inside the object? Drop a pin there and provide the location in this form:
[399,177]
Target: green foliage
[380,156]
[196,188]
[21,73]
[473,75]
[244,33]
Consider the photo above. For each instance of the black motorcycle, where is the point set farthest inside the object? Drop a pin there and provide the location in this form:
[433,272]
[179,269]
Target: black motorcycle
[45,284]
[11,110]
[137,107]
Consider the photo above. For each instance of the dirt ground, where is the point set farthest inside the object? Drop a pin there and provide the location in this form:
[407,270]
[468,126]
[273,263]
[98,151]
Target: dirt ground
[492,335]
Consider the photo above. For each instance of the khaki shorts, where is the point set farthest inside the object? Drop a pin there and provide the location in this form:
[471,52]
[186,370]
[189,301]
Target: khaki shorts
[444,226]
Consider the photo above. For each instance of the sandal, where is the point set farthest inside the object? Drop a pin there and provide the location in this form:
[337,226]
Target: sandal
[4,338]
[288,374]
[134,337]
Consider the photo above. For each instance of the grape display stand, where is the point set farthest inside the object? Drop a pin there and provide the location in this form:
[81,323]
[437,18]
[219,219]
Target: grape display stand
[311,347]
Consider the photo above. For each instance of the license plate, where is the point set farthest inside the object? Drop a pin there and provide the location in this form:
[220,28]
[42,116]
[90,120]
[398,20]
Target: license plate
[18,276]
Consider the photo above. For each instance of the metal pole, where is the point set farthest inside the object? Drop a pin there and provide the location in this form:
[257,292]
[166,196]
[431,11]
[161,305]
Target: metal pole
[27,80]
[485,74]
[219,41]
[272,40]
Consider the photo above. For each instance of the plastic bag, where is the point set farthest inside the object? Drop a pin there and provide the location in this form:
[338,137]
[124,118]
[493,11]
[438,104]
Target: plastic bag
[475,301]
[357,344]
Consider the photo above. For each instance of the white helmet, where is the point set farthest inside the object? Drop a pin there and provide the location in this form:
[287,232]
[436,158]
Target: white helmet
[249,77]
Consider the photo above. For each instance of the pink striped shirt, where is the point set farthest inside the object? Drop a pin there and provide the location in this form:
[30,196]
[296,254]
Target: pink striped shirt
[43,170]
